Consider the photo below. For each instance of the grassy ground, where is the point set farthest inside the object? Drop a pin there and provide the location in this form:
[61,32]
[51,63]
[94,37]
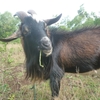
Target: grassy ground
[13,85]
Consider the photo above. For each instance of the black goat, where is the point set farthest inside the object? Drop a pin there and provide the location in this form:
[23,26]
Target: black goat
[51,52]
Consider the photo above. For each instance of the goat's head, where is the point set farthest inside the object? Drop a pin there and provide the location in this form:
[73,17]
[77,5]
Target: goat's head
[33,31]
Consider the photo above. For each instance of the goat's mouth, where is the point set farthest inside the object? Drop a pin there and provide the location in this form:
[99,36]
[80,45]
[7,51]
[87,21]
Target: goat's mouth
[47,52]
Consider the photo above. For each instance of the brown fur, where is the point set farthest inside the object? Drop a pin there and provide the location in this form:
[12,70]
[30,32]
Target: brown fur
[77,47]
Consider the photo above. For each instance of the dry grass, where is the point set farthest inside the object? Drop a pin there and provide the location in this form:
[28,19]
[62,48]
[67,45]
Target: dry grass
[13,85]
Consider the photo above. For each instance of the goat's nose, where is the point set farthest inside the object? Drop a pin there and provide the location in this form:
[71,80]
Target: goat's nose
[45,43]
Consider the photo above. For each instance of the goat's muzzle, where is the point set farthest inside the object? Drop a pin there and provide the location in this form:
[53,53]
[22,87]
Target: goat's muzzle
[46,46]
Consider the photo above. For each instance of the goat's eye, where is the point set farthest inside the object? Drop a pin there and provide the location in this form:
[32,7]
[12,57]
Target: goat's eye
[26,30]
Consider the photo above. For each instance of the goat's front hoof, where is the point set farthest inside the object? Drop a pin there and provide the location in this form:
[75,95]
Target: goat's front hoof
[55,98]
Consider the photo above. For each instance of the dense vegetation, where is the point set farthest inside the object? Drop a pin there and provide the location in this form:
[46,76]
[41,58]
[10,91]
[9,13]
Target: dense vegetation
[7,24]
[82,19]
[13,86]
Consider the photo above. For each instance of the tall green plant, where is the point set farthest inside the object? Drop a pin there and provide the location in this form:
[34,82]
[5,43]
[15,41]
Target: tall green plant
[82,19]
[7,24]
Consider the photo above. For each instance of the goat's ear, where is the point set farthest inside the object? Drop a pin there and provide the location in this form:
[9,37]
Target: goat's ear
[53,20]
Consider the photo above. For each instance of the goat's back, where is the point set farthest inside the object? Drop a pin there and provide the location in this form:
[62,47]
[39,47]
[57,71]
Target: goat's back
[78,51]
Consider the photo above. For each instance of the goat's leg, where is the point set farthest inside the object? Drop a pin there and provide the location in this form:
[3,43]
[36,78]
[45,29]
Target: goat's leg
[55,98]
[56,75]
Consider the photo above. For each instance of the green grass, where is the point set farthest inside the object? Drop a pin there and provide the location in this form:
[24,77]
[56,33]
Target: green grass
[13,85]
